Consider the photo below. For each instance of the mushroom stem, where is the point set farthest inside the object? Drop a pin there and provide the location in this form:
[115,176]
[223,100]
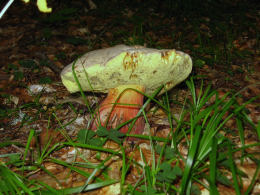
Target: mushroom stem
[121,104]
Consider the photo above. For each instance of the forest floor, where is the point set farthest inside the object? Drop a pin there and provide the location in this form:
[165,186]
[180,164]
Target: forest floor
[222,39]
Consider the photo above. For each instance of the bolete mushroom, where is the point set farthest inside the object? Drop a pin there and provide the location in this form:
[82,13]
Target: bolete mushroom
[123,71]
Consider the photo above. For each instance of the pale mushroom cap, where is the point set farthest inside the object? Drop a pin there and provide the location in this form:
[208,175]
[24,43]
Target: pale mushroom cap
[128,65]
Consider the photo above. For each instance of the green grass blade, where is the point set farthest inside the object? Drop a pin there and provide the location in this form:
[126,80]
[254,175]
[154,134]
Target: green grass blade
[258,130]
[241,133]
[213,167]
[13,181]
[89,187]
[80,88]
[233,169]
[50,189]
[31,134]
[190,160]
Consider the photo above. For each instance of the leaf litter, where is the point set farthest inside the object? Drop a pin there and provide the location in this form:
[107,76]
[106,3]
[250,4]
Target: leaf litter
[30,37]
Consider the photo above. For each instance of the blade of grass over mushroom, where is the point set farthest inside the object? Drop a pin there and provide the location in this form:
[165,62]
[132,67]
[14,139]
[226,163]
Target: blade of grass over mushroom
[80,88]
[133,120]
[124,104]
[121,104]
[144,106]
[87,103]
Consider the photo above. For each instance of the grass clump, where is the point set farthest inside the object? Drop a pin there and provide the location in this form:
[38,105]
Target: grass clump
[200,129]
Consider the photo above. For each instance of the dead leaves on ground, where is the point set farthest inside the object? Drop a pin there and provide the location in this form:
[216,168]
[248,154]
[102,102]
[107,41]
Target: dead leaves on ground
[24,37]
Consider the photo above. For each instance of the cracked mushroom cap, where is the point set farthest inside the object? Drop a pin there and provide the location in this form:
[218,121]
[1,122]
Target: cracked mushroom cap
[128,65]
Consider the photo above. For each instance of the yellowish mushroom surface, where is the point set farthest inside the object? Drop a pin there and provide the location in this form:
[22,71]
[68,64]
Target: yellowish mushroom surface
[128,65]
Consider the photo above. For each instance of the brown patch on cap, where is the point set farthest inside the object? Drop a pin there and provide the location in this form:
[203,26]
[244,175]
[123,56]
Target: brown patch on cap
[165,55]
[131,60]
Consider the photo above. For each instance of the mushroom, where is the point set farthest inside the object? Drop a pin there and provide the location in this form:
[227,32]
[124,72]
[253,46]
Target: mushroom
[125,71]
